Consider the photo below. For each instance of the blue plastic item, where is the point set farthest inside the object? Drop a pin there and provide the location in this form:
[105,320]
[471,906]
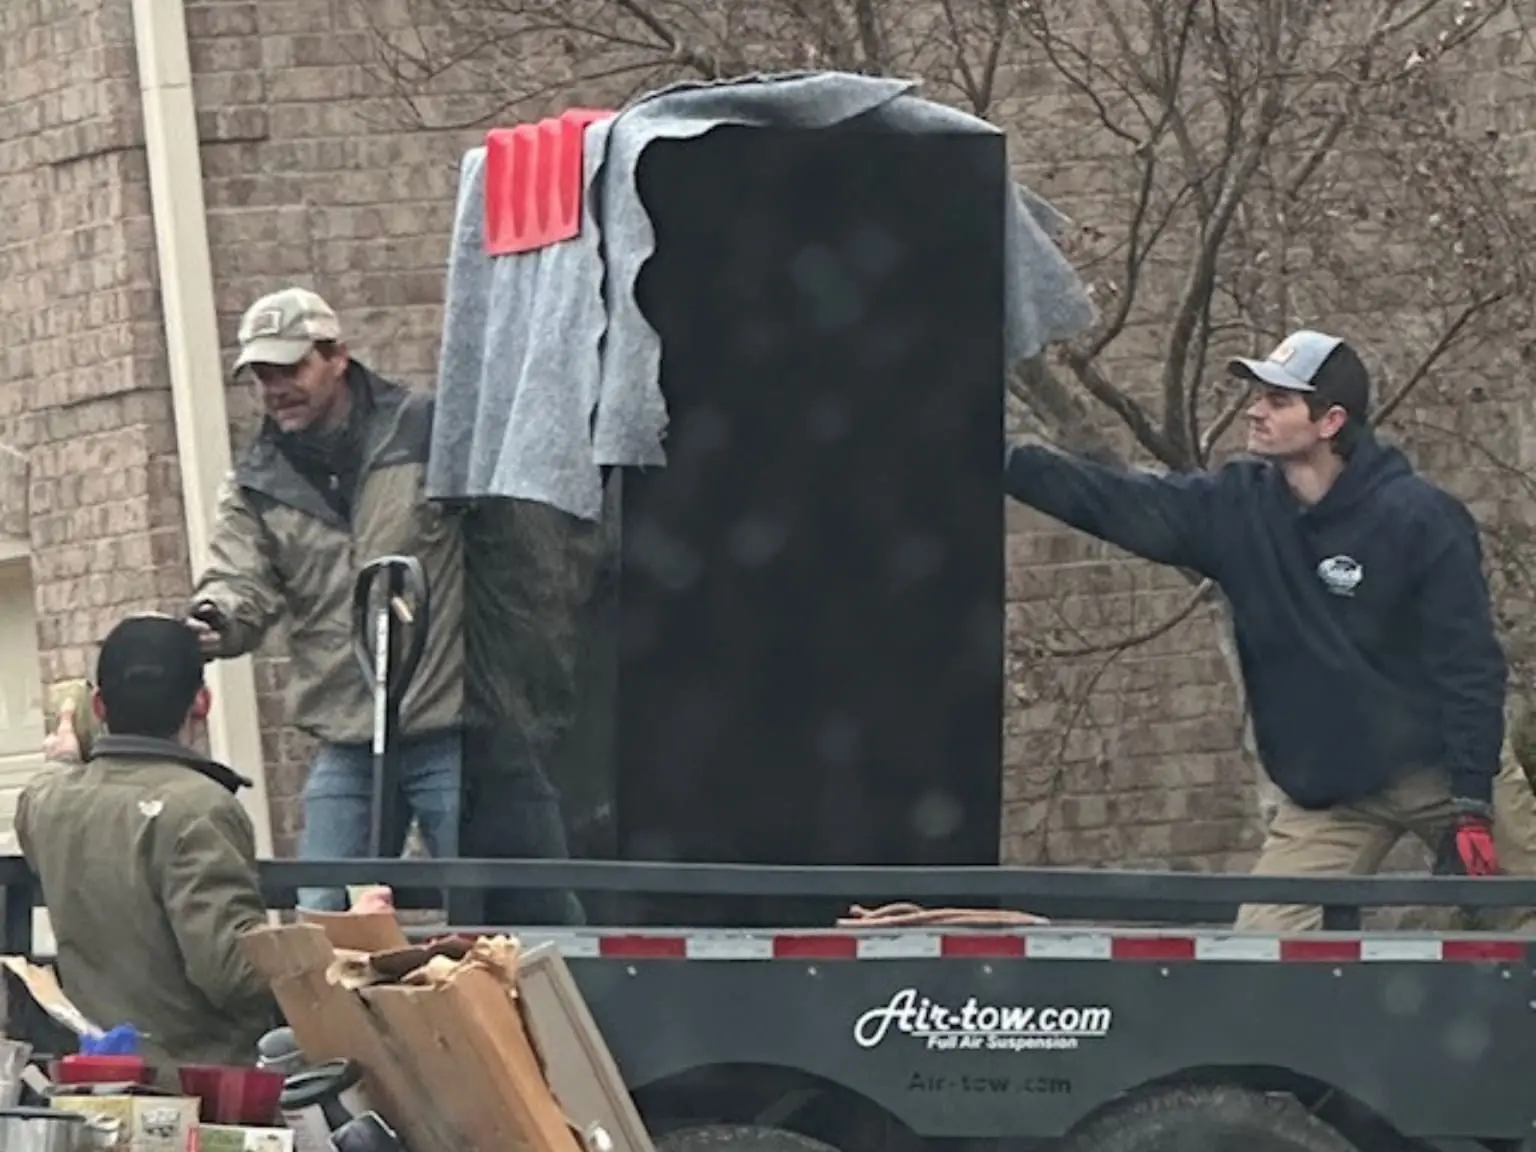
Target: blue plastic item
[120,1041]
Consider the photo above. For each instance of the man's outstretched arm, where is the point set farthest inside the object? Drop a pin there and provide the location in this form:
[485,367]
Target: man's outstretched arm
[239,597]
[1166,519]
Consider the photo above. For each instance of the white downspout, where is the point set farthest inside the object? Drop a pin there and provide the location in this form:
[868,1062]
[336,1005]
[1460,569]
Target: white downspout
[192,352]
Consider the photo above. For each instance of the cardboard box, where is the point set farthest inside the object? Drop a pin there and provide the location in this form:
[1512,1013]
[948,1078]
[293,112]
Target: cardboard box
[232,1138]
[357,931]
[446,1057]
[146,1122]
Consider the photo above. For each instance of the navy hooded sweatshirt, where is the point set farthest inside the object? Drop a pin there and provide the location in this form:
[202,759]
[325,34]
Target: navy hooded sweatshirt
[1363,622]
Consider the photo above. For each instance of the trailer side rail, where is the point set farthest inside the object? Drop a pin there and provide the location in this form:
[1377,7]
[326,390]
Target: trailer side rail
[1129,945]
[1058,893]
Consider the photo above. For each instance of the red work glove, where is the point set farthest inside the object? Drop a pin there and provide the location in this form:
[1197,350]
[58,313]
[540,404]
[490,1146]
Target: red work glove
[1474,844]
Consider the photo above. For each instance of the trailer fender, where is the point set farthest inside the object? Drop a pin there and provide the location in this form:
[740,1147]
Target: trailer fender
[1351,1117]
[738,1138]
[741,1098]
[1170,1117]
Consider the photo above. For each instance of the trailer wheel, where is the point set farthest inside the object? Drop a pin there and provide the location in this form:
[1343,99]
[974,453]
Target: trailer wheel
[738,1138]
[1210,1119]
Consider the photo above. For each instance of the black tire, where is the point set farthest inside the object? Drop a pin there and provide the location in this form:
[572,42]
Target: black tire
[738,1138]
[1205,1119]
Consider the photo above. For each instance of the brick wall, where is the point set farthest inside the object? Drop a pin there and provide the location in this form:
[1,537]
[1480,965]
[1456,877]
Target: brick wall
[1130,758]
[82,380]
[311,178]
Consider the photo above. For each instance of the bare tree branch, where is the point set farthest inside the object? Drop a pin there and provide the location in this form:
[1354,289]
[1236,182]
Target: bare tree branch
[1217,428]
[1201,595]
[1121,404]
[1448,338]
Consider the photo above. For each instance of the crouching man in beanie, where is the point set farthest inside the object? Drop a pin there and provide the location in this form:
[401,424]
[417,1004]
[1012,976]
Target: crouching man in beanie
[1375,680]
[147,860]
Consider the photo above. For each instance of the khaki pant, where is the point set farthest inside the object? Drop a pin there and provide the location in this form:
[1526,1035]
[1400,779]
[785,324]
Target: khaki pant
[1354,839]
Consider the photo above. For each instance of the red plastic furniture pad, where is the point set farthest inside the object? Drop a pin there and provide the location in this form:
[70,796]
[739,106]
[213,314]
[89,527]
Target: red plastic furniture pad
[533,181]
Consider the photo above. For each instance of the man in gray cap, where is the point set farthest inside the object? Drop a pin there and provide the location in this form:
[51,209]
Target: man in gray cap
[333,481]
[1374,677]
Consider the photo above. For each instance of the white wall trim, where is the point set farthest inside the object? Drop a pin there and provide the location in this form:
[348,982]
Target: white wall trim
[193,357]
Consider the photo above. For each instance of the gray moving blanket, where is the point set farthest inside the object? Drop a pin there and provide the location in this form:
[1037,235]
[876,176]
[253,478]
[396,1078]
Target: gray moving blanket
[549,371]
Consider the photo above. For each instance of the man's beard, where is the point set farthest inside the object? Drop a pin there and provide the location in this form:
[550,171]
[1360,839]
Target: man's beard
[318,445]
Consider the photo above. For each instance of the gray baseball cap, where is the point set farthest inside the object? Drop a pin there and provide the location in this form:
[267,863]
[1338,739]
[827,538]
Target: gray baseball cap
[282,327]
[1308,361]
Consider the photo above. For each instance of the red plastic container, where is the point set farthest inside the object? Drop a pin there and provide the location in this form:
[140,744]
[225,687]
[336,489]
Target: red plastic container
[78,1068]
[232,1095]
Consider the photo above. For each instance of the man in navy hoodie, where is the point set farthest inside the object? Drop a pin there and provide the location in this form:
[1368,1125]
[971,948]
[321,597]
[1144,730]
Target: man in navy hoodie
[1374,677]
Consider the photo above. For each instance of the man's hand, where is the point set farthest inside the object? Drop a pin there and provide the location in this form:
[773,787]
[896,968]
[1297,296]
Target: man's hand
[63,743]
[1474,845]
[1468,849]
[207,621]
[377,899]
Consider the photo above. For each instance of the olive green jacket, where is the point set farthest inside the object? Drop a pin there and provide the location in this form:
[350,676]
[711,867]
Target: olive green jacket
[280,548]
[148,869]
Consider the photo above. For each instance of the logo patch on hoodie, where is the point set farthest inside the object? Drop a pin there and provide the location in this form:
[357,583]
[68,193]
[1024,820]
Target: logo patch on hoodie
[1341,575]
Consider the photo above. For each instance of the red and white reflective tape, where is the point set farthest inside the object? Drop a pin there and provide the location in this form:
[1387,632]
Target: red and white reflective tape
[1061,944]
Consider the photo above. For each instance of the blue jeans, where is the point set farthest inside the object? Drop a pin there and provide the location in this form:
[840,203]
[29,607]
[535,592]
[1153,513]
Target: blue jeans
[338,802]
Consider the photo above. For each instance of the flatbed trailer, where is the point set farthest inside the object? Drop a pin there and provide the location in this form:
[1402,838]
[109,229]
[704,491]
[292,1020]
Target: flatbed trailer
[1068,1036]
